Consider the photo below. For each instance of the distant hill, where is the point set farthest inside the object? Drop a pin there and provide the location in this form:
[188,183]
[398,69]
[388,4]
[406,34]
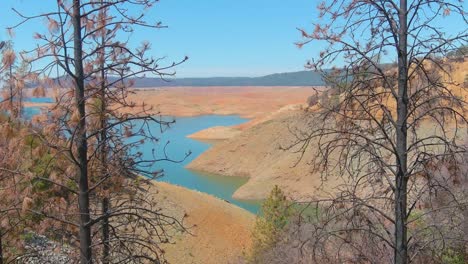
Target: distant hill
[300,78]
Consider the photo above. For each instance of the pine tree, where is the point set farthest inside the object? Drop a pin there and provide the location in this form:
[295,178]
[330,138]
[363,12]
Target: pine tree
[276,212]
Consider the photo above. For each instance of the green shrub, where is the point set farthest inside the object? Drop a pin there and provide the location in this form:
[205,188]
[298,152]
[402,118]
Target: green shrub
[32,141]
[43,165]
[41,168]
[27,237]
[276,213]
[451,256]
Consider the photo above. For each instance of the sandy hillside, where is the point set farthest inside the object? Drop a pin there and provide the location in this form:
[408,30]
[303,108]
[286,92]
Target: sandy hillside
[249,102]
[262,154]
[256,153]
[221,231]
[216,133]
[222,132]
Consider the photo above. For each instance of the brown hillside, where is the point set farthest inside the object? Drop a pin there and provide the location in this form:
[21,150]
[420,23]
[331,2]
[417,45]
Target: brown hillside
[220,231]
[256,153]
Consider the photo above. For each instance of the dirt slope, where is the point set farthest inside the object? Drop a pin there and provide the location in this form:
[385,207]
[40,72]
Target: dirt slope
[249,102]
[221,231]
[257,153]
[216,133]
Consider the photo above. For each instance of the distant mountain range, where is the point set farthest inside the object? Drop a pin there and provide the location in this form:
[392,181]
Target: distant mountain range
[300,78]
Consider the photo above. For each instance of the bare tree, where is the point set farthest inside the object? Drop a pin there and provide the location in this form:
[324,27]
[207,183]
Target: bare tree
[10,205]
[15,77]
[390,122]
[98,134]
[13,80]
[11,145]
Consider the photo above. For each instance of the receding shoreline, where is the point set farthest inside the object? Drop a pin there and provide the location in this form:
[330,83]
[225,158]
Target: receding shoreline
[220,231]
[258,104]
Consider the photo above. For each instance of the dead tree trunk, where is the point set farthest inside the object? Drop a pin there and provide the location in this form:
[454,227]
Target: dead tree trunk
[464,188]
[103,141]
[105,231]
[81,140]
[1,247]
[401,245]
[10,85]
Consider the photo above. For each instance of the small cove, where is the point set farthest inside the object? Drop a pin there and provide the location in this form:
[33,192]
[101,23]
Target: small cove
[179,144]
[175,173]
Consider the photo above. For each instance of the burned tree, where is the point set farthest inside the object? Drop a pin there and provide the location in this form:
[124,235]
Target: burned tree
[97,129]
[14,73]
[399,111]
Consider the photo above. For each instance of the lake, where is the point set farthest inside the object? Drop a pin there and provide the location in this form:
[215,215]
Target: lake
[29,112]
[175,173]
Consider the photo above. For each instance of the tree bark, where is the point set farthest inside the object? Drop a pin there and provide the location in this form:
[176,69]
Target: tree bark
[465,229]
[10,80]
[1,248]
[105,232]
[102,141]
[81,140]
[401,241]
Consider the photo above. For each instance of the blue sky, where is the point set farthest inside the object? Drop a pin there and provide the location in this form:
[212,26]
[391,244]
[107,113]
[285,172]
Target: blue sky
[221,37]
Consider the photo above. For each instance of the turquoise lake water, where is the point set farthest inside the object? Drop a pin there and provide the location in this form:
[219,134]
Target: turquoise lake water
[175,173]
[29,112]
[39,99]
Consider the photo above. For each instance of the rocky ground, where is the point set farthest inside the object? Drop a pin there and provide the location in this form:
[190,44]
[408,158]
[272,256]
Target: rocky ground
[44,251]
